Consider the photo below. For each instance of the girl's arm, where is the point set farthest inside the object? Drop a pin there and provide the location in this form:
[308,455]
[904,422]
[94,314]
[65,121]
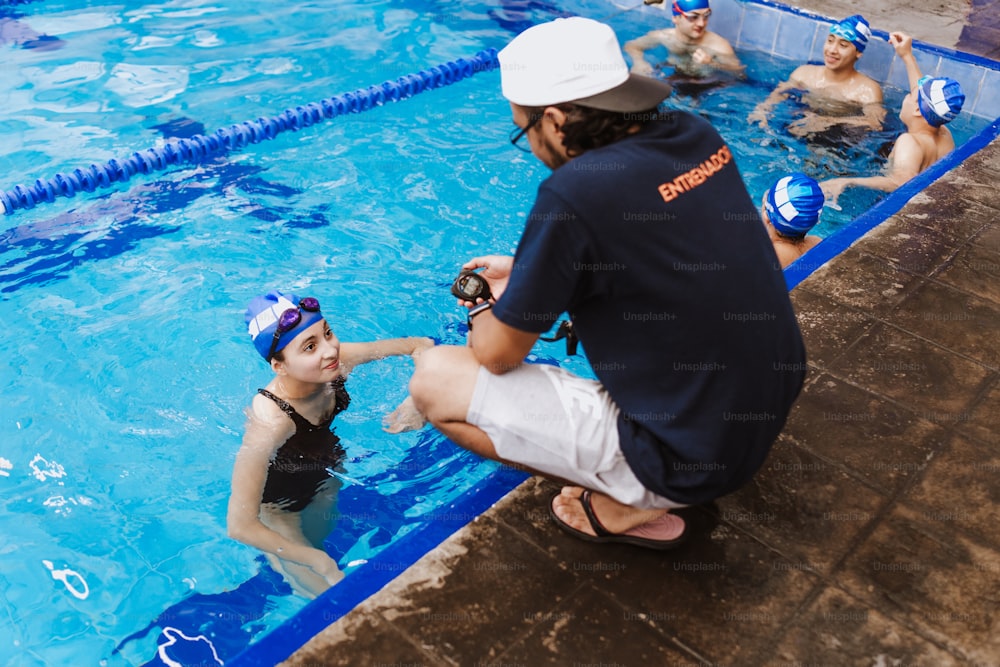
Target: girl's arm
[263,437]
[405,417]
[355,354]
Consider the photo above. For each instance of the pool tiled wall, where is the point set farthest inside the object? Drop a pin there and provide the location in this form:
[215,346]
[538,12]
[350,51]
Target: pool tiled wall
[796,35]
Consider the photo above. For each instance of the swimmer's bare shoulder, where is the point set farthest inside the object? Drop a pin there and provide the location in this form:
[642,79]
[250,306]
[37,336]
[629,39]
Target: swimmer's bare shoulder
[945,142]
[661,37]
[869,91]
[717,43]
[806,76]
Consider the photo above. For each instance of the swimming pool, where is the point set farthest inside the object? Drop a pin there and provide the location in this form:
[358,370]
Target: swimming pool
[129,371]
[128,367]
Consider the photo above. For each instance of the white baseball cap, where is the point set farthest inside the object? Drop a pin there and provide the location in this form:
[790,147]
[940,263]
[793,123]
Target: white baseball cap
[574,60]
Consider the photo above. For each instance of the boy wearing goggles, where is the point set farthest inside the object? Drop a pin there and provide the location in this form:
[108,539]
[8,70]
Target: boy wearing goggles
[283,489]
[694,50]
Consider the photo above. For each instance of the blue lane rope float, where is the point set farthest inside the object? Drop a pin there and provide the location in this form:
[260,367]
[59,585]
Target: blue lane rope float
[200,147]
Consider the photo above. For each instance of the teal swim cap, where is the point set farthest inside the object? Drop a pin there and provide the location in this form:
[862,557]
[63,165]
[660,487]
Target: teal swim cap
[855,30]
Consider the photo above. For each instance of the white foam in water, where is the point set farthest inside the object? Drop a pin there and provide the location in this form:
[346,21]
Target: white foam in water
[143,85]
[42,469]
[74,582]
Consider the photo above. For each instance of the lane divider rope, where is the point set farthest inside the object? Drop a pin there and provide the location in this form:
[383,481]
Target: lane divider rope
[200,147]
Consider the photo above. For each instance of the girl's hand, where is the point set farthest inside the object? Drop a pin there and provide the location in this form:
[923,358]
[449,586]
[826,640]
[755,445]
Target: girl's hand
[327,568]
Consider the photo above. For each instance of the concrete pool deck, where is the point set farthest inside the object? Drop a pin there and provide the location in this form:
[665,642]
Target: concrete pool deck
[869,536]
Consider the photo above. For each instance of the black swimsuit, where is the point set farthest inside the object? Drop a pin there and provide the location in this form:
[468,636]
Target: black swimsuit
[300,466]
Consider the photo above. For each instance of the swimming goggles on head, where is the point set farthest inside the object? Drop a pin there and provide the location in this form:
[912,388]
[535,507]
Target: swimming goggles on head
[694,16]
[290,319]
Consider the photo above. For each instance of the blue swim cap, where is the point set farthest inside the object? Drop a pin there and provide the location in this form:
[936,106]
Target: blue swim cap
[855,30]
[939,99]
[684,6]
[262,315]
[793,204]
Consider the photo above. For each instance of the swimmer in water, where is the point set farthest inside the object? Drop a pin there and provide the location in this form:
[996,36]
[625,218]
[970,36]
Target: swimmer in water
[790,208]
[283,491]
[694,50]
[836,92]
[931,103]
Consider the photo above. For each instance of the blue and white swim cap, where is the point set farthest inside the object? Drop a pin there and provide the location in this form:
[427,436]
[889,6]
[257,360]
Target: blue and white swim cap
[793,204]
[262,316]
[855,30]
[684,6]
[939,99]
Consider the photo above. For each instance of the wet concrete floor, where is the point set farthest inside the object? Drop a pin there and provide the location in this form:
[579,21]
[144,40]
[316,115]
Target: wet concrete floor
[870,536]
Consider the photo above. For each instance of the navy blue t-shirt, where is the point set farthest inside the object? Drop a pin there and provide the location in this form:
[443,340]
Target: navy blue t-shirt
[656,250]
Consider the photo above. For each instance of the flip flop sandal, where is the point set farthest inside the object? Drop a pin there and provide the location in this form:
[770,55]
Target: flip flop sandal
[665,532]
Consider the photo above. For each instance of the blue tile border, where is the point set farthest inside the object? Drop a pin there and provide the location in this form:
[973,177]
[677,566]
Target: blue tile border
[930,64]
[760,25]
[989,93]
[877,60]
[727,18]
[796,37]
[971,77]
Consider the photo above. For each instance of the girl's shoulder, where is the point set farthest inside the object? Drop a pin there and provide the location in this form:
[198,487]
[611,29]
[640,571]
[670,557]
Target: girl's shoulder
[267,410]
[267,427]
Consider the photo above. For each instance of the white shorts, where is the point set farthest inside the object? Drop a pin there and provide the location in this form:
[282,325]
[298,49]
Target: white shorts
[559,424]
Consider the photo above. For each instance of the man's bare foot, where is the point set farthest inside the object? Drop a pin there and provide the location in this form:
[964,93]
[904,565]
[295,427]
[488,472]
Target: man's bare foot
[615,517]
[573,510]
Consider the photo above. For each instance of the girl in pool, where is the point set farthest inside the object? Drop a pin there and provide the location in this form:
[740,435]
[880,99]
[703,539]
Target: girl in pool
[282,488]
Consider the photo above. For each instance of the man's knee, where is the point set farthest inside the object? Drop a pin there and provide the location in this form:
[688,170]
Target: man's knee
[436,369]
[424,368]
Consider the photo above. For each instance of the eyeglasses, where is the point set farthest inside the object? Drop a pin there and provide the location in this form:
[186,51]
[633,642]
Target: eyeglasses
[518,132]
[290,319]
[694,16]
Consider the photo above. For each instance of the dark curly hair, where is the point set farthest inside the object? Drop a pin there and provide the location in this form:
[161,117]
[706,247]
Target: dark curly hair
[587,128]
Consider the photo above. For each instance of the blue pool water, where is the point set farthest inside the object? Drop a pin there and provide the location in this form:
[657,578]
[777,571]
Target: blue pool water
[127,366]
